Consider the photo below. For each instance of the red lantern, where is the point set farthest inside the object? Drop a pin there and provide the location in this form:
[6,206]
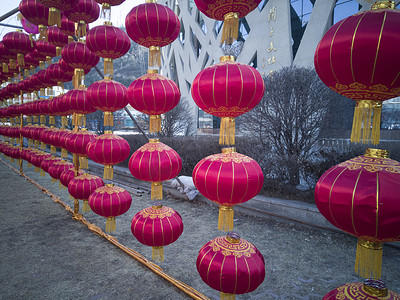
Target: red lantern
[153,26]
[55,8]
[228,178]
[153,94]
[57,168]
[83,13]
[231,265]
[110,201]
[109,96]
[370,289]
[30,64]
[157,226]
[5,56]
[78,56]
[79,104]
[228,11]
[67,175]
[47,163]
[360,196]
[47,50]
[228,90]
[108,42]
[76,143]
[37,14]
[82,186]
[20,44]
[37,158]
[155,162]
[108,149]
[57,75]
[57,38]
[355,59]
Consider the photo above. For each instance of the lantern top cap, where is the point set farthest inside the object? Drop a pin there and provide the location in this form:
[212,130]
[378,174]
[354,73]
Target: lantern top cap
[376,288]
[377,153]
[151,1]
[109,185]
[152,71]
[227,58]
[233,237]
[228,150]
[383,5]
[108,132]
[154,140]
[157,205]
[107,23]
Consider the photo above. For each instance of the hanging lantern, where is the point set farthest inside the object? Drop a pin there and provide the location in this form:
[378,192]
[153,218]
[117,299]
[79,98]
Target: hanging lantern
[370,289]
[55,8]
[47,163]
[79,104]
[57,38]
[83,13]
[231,265]
[157,226]
[359,196]
[67,175]
[37,158]
[57,168]
[228,90]
[228,11]
[110,201]
[108,42]
[228,179]
[57,75]
[153,94]
[20,44]
[46,137]
[47,50]
[108,149]
[5,56]
[155,162]
[355,59]
[143,25]
[78,56]
[82,186]
[76,143]
[37,14]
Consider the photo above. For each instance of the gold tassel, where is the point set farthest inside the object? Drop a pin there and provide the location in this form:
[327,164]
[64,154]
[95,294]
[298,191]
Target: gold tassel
[230,28]
[376,122]
[13,64]
[49,60]
[108,172]
[42,173]
[52,120]
[158,254]
[26,74]
[225,218]
[64,121]
[53,180]
[29,165]
[5,68]
[54,17]
[154,57]
[108,66]
[110,224]
[106,11]
[58,51]
[156,190]
[83,162]
[78,77]
[367,115]
[20,60]
[53,149]
[12,159]
[108,118]
[64,153]
[61,186]
[42,119]
[35,119]
[37,144]
[83,118]
[42,32]
[369,259]
[225,296]
[85,206]
[155,123]
[43,145]
[227,131]
[41,66]
[80,29]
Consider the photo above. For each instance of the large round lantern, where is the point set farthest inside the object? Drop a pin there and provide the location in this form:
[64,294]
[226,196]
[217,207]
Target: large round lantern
[55,8]
[83,13]
[46,49]
[228,11]
[143,25]
[37,14]
[108,42]
[360,196]
[228,179]
[355,59]
[47,163]
[78,103]
[5,56]
[56,74]
[67,175]
[108,96]
[370,289]
[108,149]
[157,226]
[110,201]
[19,43]
[57,168]
[82,186]
[155,162]
[76,143]
[57,38]
[231,265]
[153,94]
[228,90]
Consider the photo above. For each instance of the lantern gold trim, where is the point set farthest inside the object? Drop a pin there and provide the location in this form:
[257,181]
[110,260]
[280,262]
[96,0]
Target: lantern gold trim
[230,28]
[377,153]
[383,5]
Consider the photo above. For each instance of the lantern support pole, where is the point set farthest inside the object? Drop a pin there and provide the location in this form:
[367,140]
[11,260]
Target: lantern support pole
[9,14]
[12,26]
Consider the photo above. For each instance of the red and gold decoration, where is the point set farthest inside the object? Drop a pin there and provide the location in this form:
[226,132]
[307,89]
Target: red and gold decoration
[47,163]
[369,290]
[110,201]
[153,94]
[55,8]
[108,42]
[360,196]
[231,265]
[80,187]
[67,175]
[37,14]
[83,13]
[76,143]
[57,169]
[57,38]
[155,162]
[108,149]
[153,26]
[228,178]
[228,11]
[20,44]
[228,90]
[355,59]
[157,226]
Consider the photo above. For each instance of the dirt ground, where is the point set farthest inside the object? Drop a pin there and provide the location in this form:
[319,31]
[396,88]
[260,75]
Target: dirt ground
[47,255]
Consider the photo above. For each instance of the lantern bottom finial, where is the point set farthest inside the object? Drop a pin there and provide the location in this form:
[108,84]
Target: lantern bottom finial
[225,218]
[110,224]
[366,122]
[369,259]
[158,254]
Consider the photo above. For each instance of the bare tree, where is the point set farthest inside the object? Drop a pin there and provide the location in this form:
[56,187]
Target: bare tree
[177,121]
[288,120]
